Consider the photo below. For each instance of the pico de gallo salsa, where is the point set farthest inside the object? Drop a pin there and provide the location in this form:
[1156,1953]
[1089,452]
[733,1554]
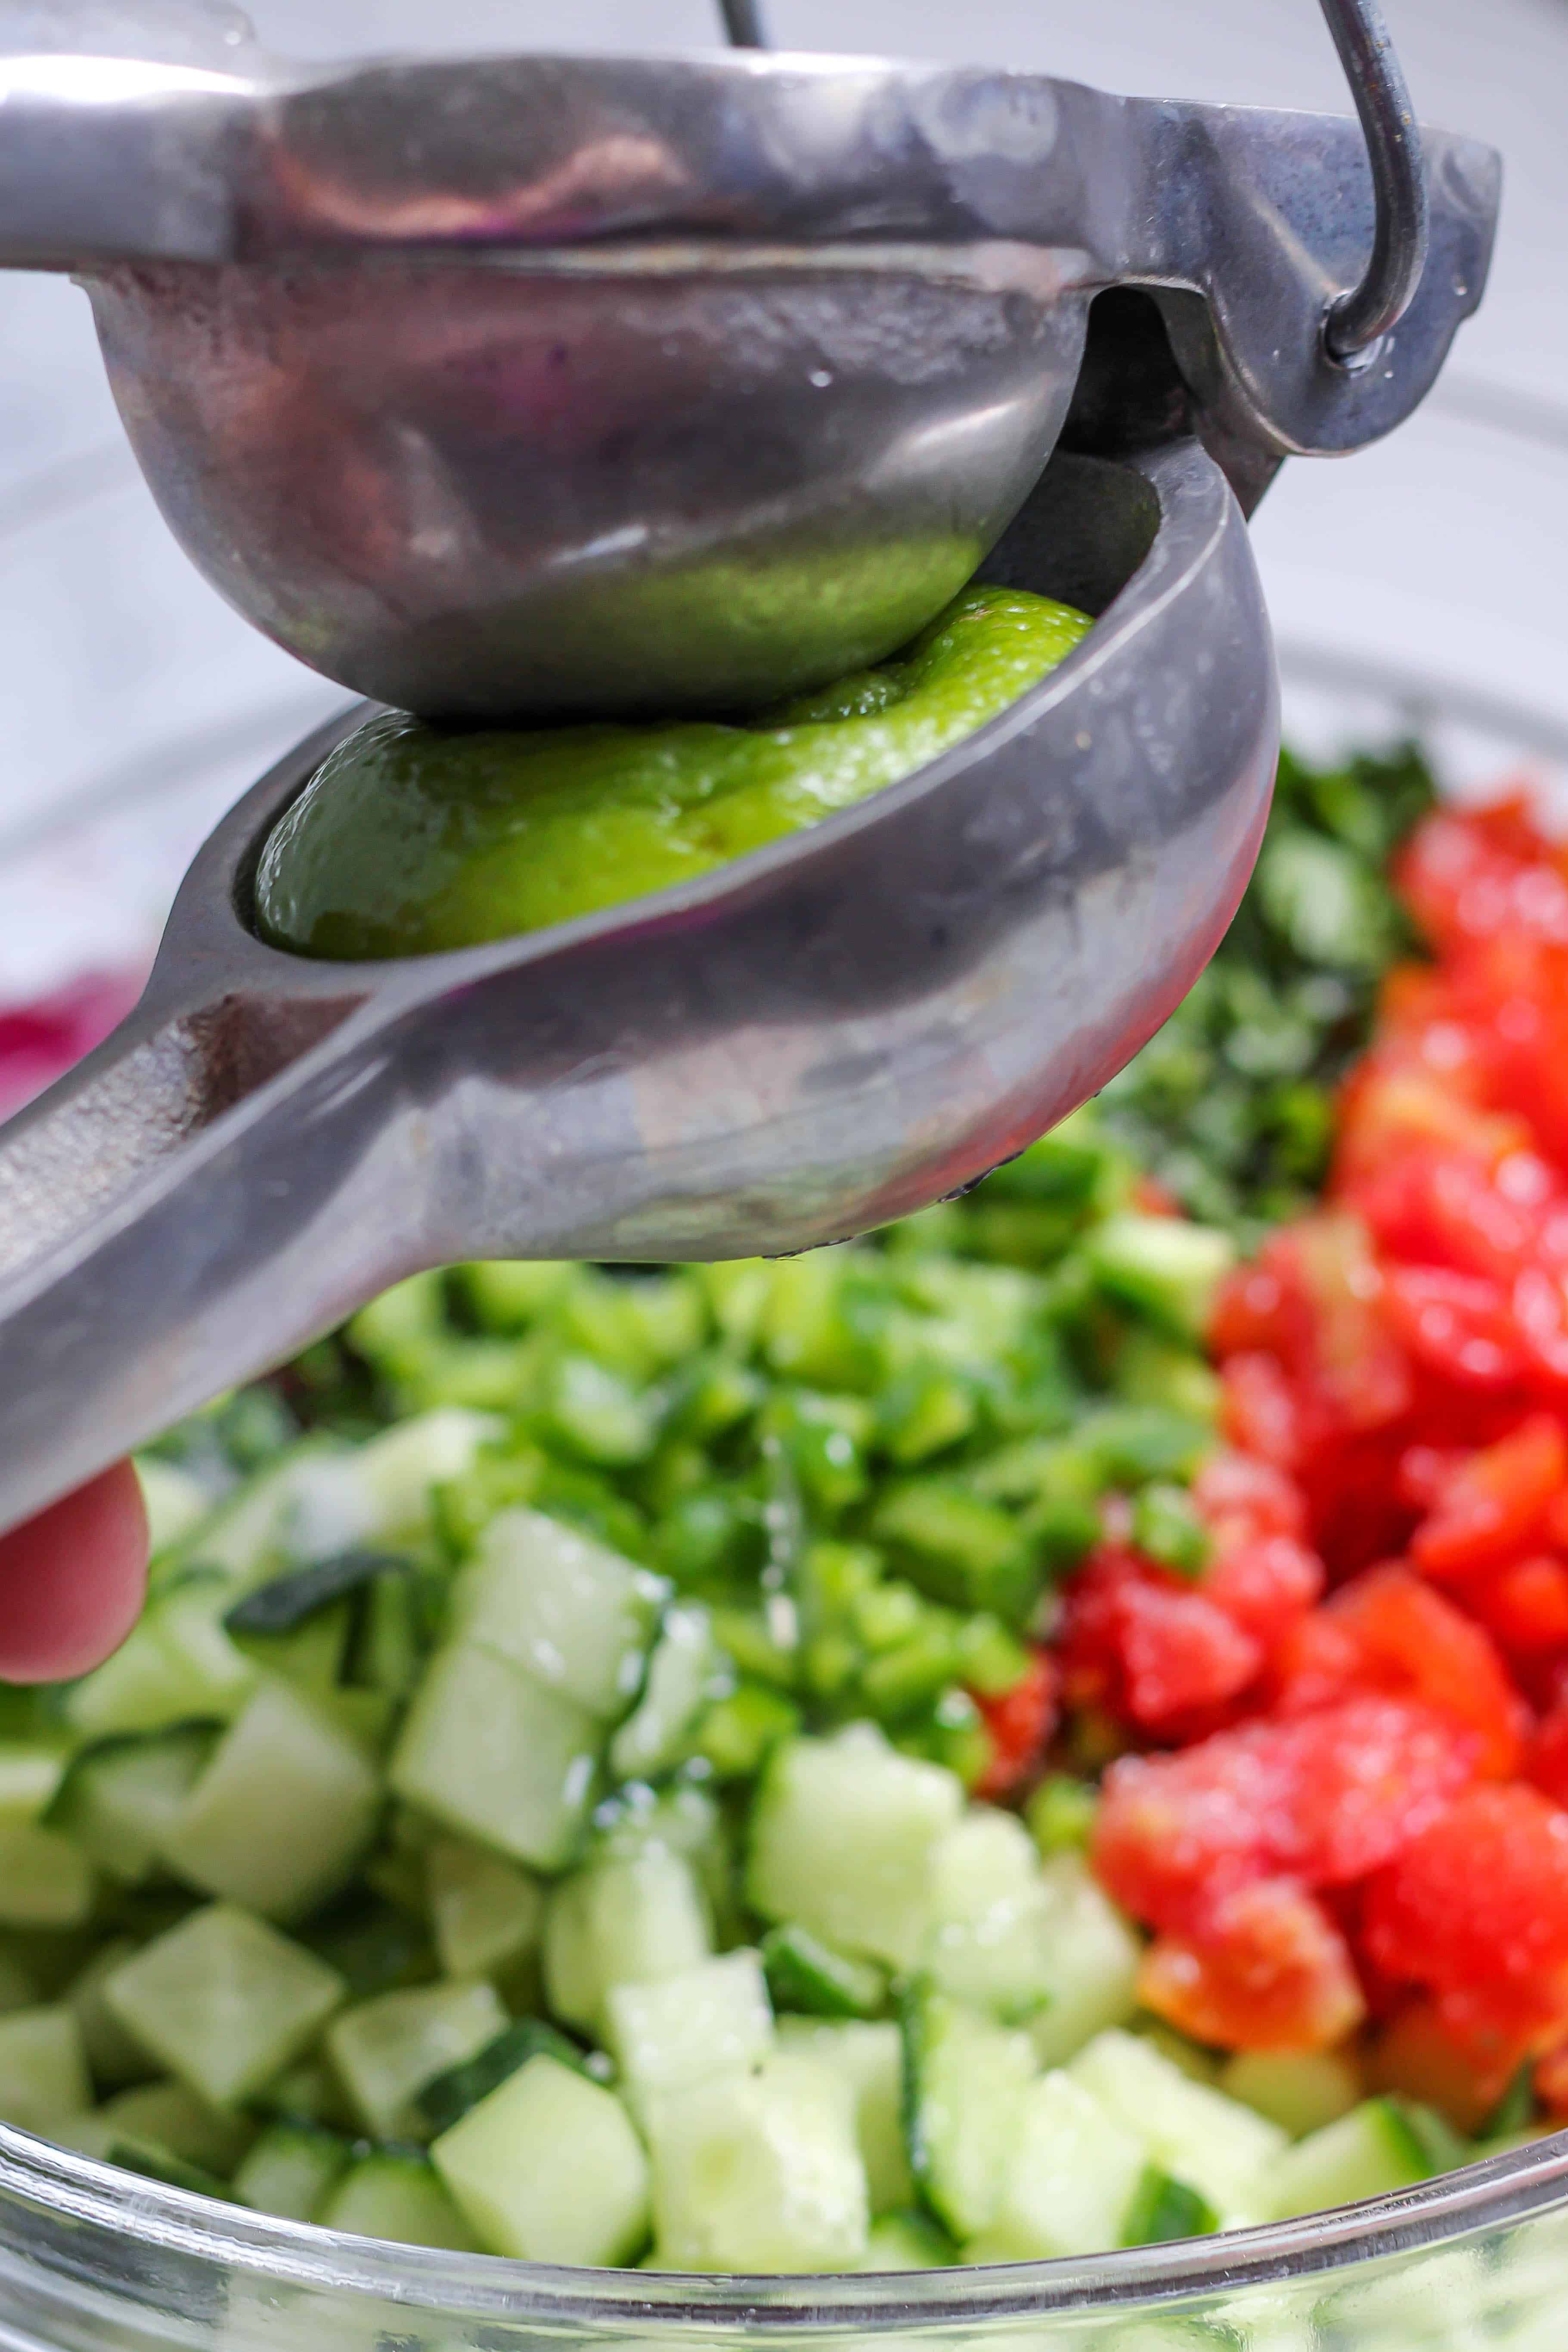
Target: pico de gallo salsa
[1043,1729]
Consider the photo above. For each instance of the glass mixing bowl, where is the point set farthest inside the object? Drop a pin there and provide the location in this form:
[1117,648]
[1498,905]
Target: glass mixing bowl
[92,2257]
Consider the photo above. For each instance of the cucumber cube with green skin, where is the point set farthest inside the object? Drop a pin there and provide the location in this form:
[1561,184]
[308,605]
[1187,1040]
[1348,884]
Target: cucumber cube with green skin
[989,1943]
[1299,2090]
[174,1501]
[386,2050]
[492,1754]
[807,1975]
[486,1914]
[290,2170]
[46,1880]
[870,2059]
[121,1797]
[1070,2177]
[114,2057]
[43,2068]
[224,2000]
[843,1833]
[31,1772]
[548,2168]
[908,2241]
[177,1666]
[1370,2152]
[681,1669]
[170,2115]
[759,2171]
[713,2019]
[282,1813]
[1091,1962]
[1164,1268]
[573,1614]
[396,2197]
[964,2078]
[1166,2209]
[1215,2145]
[627,1919]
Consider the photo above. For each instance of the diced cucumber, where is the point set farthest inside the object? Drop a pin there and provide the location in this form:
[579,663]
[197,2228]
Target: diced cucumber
[678,1682]
[224,2000]
[290,2170]
[46,1880]
[114,2057]
[710,2020]
[281,1813]
[870,2059]
[178,1666]
[161,2163]
[446,2097]
[175,1503]
[308,2092]
[170,2115]
[43,2068]
[549,2168]
[309,1595]
[807,1975]
[621,1921]
[1370,2152]
[1299,2090]
[759,2171]
[964,2079]
[122,1795]
[397,2197]
[1214,2144]
[492,1754]
[31,1771]
[992,1934]
[1070,2177]
[573,1614]
[18,1986]
[1091,1961]
[908,2241]
[387,2048]
[486,1914]
[1165,2209]
[843,1831]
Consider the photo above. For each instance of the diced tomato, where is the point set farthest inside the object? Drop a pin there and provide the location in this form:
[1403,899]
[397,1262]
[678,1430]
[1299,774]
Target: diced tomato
[1174,1835]
[1371,1774]
[1459,1325]
[1477,1902]
[1551,2081]
[1493,1506]
[1420,2055]
[1020,1722]
[1269,1971]
[1323,1799]
[1389,1630]
[1235,1493]
[1265,1583]
[1525,1606]
[1180,1653]
[1260,1411]
[1546,1763]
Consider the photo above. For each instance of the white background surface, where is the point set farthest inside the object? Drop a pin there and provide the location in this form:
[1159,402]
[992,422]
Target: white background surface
[1441,552]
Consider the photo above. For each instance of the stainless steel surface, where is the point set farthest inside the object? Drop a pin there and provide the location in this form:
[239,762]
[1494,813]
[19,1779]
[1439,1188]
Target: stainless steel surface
[1361,318]
[516,386]
[813,1041]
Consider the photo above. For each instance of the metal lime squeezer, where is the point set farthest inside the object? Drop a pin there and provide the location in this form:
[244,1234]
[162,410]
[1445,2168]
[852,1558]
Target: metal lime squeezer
[537,386]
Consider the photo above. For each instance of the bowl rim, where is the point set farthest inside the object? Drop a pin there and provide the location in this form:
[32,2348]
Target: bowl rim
[1499,2193]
